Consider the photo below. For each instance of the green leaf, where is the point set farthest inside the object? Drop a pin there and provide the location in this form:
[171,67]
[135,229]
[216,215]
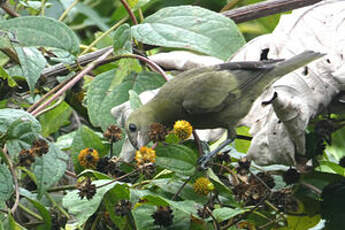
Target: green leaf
[6,186]
[102,96]
[123,40]
[337,149]
[4,75]
[191,27]
[331,167]
[86,138]
[42,31]
[82,209]
[19,128]
[172,186]
[221,188]
[222,214]
[64,142]
[52,120]
[32,63]
[47,175]
[176,158]
[172,138]
[119,192]
[44,213]
[134,99]
[93,18]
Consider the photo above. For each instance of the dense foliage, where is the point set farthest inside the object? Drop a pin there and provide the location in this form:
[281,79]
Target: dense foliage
[59,166]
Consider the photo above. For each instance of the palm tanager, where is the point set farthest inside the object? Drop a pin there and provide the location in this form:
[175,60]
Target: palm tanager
[211,97]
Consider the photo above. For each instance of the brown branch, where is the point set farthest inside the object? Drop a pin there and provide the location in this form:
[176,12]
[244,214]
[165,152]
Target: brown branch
[180,189]
[9,10]
[265,8]
[82,73]
[129,11]
[14,178]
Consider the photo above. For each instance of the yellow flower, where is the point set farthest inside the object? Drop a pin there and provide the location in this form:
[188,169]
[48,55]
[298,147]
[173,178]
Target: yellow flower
[145,155]
[88,158]
[183,129]
[203,186]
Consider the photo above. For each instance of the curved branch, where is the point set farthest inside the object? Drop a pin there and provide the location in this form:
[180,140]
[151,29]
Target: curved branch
[15,180]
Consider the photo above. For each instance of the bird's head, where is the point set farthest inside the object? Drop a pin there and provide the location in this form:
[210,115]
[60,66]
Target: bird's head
[137,128]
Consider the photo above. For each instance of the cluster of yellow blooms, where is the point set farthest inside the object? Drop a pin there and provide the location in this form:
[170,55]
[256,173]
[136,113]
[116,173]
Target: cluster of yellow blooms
[203,186]
[145,155]
[88,158]
[183,129]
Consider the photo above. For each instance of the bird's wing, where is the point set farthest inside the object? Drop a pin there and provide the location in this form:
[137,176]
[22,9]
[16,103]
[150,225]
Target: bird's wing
[212,89]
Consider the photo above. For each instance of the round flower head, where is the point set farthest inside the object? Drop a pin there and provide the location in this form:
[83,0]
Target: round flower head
[88,158]
[203,186]
[183,129]
[145,155]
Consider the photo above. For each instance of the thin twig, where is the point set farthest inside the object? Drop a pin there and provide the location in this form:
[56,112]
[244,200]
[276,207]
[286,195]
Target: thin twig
[198,143]
[82,73]
[63,211]
[29,212]
[180,189]
[104,35]
[56,104]
[14,178]
[43,6]
[71,174]
[265,8]
[64,14]
[48,94]
[217,226]
[124,176]
[152,64]
[62,188]
[129,11]
[312,187]
[9,10]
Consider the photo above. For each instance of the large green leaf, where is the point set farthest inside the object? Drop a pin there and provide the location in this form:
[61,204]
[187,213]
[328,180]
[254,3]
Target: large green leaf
[46,175]
[82,209]
[102,95]
[177,158]
[6,186]
[19,129]
[172,186]
[42,31]
[222,214]
[55,118]
[32,63]
[44,213]
[122,40]
[191,27]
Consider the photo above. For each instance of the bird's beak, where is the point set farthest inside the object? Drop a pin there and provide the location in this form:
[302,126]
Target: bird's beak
[134,141]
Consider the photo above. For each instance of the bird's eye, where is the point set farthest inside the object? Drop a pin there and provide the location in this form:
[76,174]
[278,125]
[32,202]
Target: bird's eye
[132,127]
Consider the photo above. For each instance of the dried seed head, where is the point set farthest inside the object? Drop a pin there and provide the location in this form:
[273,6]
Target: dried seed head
[86,189]
[113,133]
[158,132]
[163,216]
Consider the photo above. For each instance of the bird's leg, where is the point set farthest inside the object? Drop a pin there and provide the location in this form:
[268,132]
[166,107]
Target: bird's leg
[203,160]
[197,140]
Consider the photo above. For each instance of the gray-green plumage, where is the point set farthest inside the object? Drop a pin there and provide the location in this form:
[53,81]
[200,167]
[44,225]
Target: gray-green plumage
[211,97]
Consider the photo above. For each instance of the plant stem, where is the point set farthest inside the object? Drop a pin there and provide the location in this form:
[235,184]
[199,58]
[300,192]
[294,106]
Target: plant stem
[64,14]
[129,11]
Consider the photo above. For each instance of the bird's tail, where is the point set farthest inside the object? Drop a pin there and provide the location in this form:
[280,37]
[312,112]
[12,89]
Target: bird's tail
[289,65]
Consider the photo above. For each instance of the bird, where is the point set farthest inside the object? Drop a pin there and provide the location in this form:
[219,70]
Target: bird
[211,97]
